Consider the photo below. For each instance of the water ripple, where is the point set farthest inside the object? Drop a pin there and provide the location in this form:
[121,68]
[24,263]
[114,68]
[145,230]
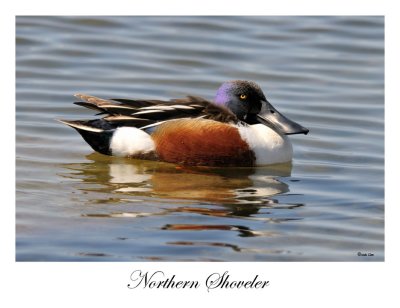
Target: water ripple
[326,73]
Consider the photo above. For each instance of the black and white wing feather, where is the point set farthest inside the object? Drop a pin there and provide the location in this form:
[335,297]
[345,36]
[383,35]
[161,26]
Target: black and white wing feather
[146,113]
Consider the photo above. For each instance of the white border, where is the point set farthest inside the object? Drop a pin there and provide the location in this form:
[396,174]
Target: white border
[305,284]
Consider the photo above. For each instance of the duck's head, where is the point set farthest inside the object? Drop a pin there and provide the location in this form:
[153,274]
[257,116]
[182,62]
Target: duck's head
[247,101]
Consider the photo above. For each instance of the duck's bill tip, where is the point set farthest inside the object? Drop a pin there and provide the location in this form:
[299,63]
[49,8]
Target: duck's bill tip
[304,131]
[282,124]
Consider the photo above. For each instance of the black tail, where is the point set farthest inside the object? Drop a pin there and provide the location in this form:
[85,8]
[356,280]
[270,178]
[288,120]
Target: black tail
[97,135]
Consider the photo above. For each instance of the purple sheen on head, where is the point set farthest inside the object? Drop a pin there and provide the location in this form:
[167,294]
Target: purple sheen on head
[223,96]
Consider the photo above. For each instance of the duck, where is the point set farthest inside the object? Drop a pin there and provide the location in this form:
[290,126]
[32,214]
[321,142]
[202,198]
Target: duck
[240,128]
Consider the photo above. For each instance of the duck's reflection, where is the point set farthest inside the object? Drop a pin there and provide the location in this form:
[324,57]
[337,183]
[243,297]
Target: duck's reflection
[139,177]
[228,192]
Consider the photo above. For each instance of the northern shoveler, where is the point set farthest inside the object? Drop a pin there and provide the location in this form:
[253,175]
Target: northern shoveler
[240,128]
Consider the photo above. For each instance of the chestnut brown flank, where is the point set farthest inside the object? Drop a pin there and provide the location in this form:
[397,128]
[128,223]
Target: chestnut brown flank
[201,142]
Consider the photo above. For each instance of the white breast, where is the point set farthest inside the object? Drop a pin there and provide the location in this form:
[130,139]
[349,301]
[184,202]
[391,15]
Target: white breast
[130,141]
[268,146]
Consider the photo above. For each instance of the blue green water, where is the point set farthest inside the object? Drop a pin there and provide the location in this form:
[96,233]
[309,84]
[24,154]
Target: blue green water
[326,73]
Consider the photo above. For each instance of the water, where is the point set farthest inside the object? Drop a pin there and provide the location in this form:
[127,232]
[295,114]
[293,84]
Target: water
[326,73]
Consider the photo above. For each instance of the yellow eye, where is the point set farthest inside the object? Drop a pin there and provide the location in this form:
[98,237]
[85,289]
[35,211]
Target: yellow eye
[243,96]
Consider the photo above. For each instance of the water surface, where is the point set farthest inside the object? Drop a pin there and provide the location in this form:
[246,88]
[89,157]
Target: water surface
[326,73]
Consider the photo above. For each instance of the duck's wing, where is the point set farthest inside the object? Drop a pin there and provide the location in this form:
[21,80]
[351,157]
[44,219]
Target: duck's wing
[145,113]
[142,114]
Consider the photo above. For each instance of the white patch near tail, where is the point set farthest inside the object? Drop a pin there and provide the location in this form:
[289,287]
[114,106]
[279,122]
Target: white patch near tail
[268,146]
[130,141]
